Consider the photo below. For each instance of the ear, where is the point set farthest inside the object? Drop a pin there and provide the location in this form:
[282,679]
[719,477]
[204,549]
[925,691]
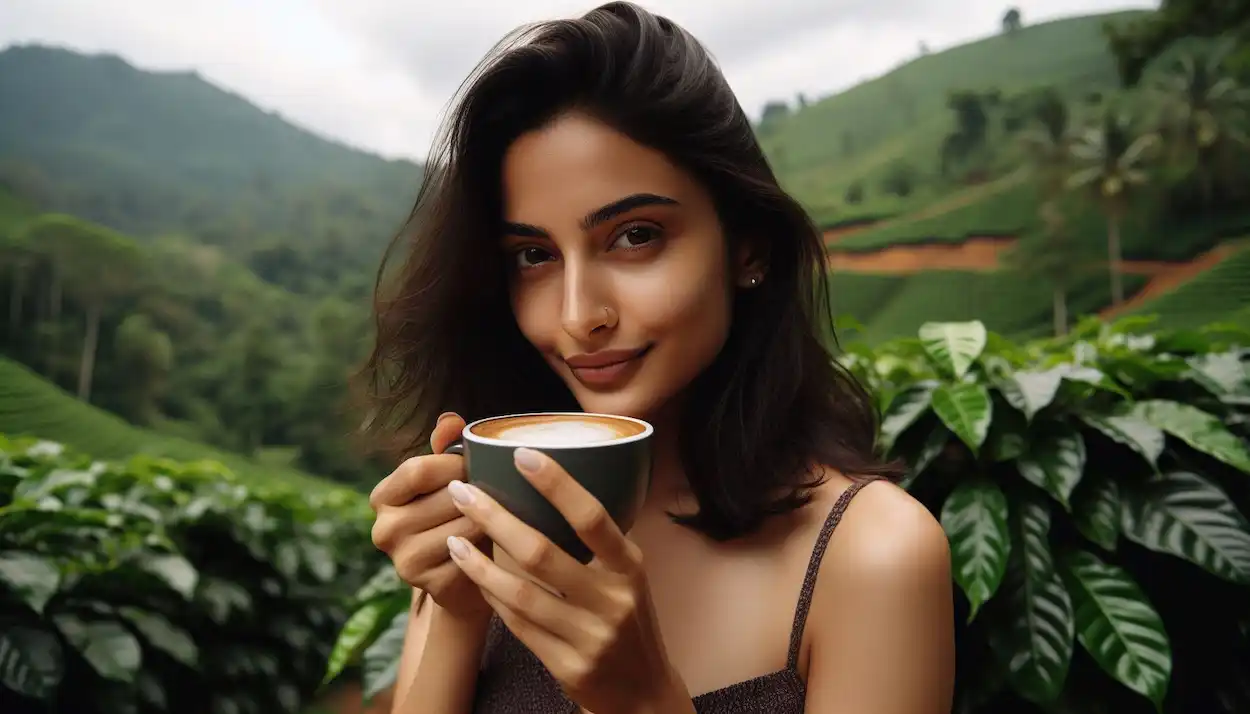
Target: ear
[750,265]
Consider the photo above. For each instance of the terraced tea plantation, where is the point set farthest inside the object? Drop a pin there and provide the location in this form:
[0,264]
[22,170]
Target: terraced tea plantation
[29,405]
[1221,294]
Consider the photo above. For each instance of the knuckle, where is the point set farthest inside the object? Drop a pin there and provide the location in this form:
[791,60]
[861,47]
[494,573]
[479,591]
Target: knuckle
[537,556]
[592,520]
[412,567]
[524,595]
[576,673]
[383,533]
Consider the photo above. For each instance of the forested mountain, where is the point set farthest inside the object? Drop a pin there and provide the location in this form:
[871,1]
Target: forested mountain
[150,153]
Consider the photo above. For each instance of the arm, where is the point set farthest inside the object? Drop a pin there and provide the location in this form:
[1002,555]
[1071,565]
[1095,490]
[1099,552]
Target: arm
[882,622]
[443,683]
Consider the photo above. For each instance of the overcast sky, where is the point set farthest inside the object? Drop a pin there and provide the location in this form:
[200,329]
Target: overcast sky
[377,74]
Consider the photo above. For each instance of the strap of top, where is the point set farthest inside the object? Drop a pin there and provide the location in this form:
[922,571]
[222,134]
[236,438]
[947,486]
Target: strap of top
[813,569]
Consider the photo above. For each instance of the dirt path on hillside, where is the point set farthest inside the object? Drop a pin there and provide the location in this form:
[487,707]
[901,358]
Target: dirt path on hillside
[978,254]
[1165,277]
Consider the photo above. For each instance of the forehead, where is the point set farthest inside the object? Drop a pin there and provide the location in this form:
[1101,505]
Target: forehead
[575,164]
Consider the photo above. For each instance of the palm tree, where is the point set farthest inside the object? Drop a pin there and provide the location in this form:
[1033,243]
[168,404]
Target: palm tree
[1204,110]
[1049,147]
[1109,160]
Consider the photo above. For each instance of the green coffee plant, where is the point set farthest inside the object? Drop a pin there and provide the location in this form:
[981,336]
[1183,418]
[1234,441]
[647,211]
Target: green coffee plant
[1094,490]
[153,585]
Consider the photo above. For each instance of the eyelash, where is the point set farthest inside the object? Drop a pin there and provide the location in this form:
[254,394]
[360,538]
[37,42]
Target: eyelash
[655,229]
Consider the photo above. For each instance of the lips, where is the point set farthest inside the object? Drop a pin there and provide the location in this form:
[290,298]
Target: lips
[606,366]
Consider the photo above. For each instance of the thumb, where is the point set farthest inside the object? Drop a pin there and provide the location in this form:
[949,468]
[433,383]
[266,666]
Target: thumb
[446,431]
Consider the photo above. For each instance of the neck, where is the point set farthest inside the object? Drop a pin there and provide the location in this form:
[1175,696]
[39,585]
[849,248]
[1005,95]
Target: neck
[669,489]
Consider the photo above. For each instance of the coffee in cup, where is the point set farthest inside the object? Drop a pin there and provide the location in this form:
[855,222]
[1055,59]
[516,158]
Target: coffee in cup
[609,455]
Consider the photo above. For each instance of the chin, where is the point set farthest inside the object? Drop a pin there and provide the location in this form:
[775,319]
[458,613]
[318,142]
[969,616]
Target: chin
[625,402]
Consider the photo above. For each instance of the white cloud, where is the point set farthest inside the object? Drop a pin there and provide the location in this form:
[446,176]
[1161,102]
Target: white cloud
[378,73]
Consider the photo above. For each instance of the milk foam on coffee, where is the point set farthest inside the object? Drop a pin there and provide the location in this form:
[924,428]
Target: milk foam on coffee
[559,433]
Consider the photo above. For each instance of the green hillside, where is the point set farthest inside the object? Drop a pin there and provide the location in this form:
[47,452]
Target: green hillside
[856,135]
[1221,294]
[30,406]
[168,152]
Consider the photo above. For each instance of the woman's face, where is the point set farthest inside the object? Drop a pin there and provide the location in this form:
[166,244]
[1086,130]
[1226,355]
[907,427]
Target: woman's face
[620,274]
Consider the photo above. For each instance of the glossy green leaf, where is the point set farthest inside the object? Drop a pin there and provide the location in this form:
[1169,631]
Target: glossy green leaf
[1096,510]
[385,581]
[1220,373]
[1055,461]
[31,661]
[1197,428]
[929,450]
[34,579]
[174,570]
[108,647]
[380,662]
[1118,626]
[1008,435]
[163,635]
[1131,431]
[1031,391]
[1185,515]
[362,628]
[906,407]
[953,346]
[1040,638]
[975,519]
[966,410]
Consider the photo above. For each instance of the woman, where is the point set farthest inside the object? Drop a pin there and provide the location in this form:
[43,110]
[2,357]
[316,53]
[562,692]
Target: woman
[600,192]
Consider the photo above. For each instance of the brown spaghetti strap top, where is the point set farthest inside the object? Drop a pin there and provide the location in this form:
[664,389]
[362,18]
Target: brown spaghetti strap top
[514,681]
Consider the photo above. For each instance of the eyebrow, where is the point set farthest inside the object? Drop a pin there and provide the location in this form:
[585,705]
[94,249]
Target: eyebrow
[597,216]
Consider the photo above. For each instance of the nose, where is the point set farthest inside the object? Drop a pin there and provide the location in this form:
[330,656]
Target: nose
[585,312]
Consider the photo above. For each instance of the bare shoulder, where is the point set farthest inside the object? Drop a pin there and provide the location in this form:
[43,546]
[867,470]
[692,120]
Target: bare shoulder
[883,595]
[887,536]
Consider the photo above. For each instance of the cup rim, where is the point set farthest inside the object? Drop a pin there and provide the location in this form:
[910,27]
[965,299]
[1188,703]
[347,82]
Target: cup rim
[468,434]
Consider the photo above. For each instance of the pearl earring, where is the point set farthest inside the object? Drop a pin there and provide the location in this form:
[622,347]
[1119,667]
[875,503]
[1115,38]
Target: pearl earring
[753,281]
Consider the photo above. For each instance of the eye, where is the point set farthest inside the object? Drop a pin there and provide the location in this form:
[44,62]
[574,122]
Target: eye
[532,257]
[636,236]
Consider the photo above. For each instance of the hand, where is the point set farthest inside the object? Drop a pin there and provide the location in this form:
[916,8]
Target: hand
[415,516]
[599,638]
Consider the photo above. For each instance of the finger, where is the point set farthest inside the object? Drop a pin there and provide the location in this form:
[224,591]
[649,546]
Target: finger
[424,551]
[416,477]
[589,519]
[430,512]
[532,551]
[446,431]
[518,595]
[558,656]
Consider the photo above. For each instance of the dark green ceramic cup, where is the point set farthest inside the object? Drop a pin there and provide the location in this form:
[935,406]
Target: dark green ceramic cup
[610,456]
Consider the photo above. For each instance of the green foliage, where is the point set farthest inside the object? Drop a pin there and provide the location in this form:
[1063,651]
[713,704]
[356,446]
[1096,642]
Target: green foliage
[1078,480]
[154,585]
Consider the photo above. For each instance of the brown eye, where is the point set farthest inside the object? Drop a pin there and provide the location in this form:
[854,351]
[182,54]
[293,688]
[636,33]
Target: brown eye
[636,237]
[532,257]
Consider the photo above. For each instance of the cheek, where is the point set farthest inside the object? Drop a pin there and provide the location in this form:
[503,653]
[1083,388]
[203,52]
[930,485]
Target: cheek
[686,302]
[537,311]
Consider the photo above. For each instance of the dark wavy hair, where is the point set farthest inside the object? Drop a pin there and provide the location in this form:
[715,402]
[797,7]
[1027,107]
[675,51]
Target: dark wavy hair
[771,410]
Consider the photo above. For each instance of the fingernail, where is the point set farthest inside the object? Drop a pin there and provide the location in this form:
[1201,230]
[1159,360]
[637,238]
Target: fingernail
[527,459]
[461,493]
[443,416]
[457,548]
